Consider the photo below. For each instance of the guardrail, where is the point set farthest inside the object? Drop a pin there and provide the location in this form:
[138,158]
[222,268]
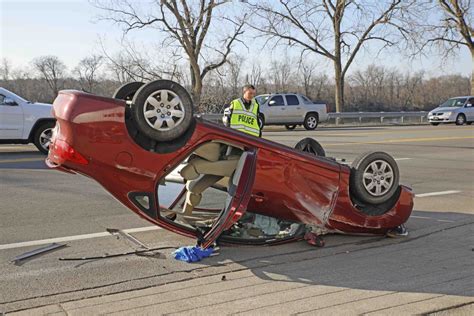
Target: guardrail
[359,118]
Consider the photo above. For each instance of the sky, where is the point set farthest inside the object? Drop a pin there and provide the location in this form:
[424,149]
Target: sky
[71,30]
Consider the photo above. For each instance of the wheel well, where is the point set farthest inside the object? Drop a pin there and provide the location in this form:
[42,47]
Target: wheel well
[38,124]
[316,113]
[461,114]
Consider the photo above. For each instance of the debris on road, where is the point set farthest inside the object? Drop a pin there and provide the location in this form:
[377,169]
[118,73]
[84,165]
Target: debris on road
[27,255]
[192,253]
[107,256]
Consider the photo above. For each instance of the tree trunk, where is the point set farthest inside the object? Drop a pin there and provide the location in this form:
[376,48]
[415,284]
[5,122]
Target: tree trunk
[339,86]
[472,71]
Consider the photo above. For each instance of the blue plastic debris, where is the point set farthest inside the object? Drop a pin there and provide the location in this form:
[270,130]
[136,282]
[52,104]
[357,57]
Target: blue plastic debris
[192,253]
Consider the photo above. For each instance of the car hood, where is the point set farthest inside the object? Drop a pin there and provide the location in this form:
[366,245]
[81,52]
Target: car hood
[40,109]
[445,109]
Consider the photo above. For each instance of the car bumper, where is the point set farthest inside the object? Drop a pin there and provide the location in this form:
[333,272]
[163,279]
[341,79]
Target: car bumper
[441,119]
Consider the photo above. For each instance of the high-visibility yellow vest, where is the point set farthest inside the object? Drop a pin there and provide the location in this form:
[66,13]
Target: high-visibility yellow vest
[245,120]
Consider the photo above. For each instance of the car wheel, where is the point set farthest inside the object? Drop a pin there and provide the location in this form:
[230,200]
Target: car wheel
[42,136]
[374,177]
[162,110]
[311,146]
[434,124]
[261,119]
[311,121]
[460,119]
[290,127]
[468,123]
[127,91]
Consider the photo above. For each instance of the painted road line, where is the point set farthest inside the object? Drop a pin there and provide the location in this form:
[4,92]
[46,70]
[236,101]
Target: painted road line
[438,220]
[401,140]
[21,160]
[437,193]
[73,238]
[348,162]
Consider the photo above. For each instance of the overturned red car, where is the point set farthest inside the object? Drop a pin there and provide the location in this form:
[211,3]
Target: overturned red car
[209,182]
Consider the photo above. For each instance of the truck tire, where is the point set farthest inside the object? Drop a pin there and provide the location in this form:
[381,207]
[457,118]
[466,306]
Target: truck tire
[42,136]
[311,146]
[311,121]
[374,177]
[127,91]
[162,110]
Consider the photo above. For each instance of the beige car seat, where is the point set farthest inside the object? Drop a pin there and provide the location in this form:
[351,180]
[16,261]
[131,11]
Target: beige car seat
[206,167]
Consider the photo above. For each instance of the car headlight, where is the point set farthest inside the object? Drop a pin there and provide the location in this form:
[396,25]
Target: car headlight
[447,113]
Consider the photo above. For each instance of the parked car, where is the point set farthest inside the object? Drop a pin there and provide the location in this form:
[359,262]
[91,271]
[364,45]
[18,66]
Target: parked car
[291,109]
[23,122]
[459,110]
[210,182]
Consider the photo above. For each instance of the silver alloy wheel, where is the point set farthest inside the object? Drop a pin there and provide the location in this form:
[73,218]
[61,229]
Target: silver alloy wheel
[312,122]
[45,138]
[461,119]
[378,178]
[163,110]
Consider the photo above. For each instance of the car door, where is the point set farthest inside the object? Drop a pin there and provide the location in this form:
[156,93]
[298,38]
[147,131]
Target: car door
[469,109]
[293,109]
[11,118]
[239,192]
[276,110]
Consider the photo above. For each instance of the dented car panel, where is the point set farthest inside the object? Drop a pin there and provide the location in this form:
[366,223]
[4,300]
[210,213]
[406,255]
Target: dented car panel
[91,138]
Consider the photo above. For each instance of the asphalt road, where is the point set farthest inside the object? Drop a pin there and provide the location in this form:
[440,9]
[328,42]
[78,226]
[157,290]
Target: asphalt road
[430,270]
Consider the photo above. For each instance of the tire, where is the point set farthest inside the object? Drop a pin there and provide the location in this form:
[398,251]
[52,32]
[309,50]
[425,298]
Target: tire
[290,127]
[166,119]
[261,119]
[460,119]
[434,124]
[127,91]
[42,136]
[311,146]
[469,123]
[311,121]
[376,166]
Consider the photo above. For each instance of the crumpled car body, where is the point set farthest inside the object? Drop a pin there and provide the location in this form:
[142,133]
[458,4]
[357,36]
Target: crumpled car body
[253,180]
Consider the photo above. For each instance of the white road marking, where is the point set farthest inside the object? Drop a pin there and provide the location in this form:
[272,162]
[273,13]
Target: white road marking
[72,238]
[350,162]
[438,220]
[437,193]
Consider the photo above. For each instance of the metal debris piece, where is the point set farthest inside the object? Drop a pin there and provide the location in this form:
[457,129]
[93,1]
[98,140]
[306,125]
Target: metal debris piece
[37,252]
[118,233]
[107,256]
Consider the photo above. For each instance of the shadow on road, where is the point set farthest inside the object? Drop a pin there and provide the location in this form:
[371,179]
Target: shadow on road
[436,258]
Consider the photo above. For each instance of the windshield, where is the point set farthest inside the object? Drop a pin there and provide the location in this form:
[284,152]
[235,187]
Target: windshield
[16,96]
[455,102]
[261,99]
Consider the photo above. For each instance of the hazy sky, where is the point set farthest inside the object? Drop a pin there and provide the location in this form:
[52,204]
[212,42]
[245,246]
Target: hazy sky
[70,30]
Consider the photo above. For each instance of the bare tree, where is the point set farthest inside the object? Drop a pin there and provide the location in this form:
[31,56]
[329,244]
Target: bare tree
[454,27]
[281,74]
[52,69]
[333,29]
[87,70]
[255,75]
[5,69]
[307,71]
[185,24]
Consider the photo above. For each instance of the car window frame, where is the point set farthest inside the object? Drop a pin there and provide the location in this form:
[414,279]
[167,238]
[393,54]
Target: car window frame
[274,96]
[292,95]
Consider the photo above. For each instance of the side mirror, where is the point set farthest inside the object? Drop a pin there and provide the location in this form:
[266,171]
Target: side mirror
[9,101]
[468,105]
[272,102]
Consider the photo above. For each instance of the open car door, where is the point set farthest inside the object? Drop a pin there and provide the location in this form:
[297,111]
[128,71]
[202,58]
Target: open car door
[238,197]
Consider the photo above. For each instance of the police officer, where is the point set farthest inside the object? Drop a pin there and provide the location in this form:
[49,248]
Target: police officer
[243,114]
